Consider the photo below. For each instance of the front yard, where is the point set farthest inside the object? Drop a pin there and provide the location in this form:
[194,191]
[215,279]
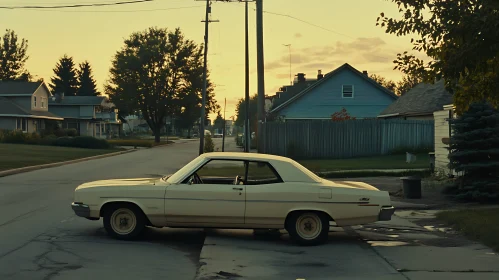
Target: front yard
[18,155]
[477,224]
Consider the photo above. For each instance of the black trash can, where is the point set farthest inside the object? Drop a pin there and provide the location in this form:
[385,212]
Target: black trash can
[411,187]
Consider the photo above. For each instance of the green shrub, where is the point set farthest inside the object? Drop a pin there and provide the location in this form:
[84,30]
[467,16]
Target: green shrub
[48,140]
[15,137]
[209,146]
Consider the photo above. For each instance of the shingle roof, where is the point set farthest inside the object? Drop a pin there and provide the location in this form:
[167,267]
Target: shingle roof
[329,76]
[78,100]
[7,107]
[423,98]
[18,87]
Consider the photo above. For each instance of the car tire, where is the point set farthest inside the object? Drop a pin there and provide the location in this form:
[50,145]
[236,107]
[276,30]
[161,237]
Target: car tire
[124,222]
[308,228]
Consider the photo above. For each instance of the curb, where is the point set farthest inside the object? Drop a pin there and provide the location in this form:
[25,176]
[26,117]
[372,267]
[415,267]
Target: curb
[56,164]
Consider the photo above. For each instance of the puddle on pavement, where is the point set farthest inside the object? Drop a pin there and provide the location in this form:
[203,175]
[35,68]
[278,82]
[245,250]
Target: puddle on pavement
[441,229]
[393,235]
[387,243]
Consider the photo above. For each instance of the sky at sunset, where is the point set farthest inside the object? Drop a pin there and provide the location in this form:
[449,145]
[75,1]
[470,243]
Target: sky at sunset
[337,31]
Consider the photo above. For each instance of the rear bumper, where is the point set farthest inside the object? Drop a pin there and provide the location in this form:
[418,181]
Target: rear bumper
[386,213]
[81,210]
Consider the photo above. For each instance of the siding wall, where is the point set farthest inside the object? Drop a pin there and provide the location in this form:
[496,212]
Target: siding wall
[441,151]
[40,93]
[326,99]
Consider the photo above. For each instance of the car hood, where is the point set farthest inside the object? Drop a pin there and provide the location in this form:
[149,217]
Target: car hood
[136,182]
[351,185]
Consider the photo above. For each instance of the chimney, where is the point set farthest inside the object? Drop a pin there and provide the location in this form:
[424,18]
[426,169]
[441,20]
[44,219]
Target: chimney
[320,75]
[365,73]
[301,77]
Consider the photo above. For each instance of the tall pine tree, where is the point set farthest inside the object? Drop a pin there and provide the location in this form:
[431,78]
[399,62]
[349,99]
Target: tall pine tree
[86,82]
[474,151]
[65,80]
[13,57]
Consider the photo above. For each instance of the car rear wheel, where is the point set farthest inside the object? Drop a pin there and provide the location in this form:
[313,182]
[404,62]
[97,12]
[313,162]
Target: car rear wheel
[125,222]
[308,228]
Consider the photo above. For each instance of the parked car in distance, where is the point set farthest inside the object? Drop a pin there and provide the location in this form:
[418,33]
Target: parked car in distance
[235,191]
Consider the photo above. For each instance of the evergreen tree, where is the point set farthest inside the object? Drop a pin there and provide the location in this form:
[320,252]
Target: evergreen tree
[86,82]
[65,80]
[474,151]
[13,57]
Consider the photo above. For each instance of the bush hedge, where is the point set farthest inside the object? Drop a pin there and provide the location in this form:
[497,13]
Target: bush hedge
[87,142]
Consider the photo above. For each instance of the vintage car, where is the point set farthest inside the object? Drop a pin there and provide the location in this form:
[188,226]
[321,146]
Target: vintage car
[233,191]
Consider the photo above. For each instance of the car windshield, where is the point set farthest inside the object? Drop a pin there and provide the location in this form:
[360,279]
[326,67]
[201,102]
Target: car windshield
[177,176]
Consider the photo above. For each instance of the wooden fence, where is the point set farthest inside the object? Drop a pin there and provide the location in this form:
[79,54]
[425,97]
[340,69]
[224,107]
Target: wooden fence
[348,139]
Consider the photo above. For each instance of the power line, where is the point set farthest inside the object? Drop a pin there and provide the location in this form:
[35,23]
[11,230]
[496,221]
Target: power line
[77,5]
[119,11]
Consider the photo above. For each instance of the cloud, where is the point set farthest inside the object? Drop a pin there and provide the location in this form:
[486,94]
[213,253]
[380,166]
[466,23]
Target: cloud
[361,52]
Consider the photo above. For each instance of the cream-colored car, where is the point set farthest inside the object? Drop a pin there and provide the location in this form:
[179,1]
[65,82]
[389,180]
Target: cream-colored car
[236,191]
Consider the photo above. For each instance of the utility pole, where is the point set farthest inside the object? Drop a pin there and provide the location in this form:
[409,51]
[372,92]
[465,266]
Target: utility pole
[225,126]
[207,21]
[290,75]
[261,73]
[247,144]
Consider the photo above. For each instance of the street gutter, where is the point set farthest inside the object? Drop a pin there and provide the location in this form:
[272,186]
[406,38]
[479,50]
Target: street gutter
[56,164]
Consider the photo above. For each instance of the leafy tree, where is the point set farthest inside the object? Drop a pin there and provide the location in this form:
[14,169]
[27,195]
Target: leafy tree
[219,122]
[13,56]
[474,150]
[342,115]
[154,73]
[407,83]
[460,37]
[86,82]
[389,84]
[209,146]
[241,111]
[65,79]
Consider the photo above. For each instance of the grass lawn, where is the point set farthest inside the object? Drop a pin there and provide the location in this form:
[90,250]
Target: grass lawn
[478,224]
[17,156]
[379,162]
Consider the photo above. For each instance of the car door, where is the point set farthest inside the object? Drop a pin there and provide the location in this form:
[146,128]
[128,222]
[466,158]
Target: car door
[265,196]
[215,201]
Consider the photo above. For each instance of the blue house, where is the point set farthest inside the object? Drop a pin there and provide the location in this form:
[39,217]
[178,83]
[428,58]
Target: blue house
[345,87]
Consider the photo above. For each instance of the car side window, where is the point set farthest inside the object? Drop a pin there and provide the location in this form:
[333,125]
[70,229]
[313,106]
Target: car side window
[262,173]
[222,172]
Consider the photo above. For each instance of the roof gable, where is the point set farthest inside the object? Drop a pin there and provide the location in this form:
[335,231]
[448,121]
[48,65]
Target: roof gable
[19,88]
[422,99]
[329,76]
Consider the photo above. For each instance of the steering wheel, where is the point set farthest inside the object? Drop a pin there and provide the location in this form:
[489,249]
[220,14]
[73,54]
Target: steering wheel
[197,179]
[238,180]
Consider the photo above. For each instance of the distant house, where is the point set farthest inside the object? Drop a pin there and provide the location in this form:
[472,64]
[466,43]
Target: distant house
[24,106]
[89,115]
[419,103]
[345,87]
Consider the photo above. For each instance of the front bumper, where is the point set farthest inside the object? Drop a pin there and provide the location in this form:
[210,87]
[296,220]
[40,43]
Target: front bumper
[386,213]
[81,210]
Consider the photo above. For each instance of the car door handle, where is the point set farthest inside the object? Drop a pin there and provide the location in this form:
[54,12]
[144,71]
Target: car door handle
[237,189]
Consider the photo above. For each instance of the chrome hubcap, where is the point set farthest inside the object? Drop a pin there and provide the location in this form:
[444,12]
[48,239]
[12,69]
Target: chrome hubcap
[123,221]
[308,226]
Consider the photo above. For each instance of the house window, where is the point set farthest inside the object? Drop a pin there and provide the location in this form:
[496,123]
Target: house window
[34,101]
[347,91]
[43,102]
[22,124]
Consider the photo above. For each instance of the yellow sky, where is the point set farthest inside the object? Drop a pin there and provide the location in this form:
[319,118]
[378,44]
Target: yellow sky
[95,34]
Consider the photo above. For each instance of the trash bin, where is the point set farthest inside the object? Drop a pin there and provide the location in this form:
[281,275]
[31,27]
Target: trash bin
[411,187]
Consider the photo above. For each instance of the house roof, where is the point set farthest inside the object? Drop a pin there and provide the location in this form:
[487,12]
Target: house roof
[11,109]
[78,100]
[329,76]
[421,100]
[20,88]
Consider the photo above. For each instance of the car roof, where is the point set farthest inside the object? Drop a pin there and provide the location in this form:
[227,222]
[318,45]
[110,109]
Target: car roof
[245,156]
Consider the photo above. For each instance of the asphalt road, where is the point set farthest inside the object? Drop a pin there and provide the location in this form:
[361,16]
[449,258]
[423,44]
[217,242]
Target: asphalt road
[41,238]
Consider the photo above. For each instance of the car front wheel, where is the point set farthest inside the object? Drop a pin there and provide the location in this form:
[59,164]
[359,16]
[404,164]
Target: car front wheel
[124,222]
[308,228]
